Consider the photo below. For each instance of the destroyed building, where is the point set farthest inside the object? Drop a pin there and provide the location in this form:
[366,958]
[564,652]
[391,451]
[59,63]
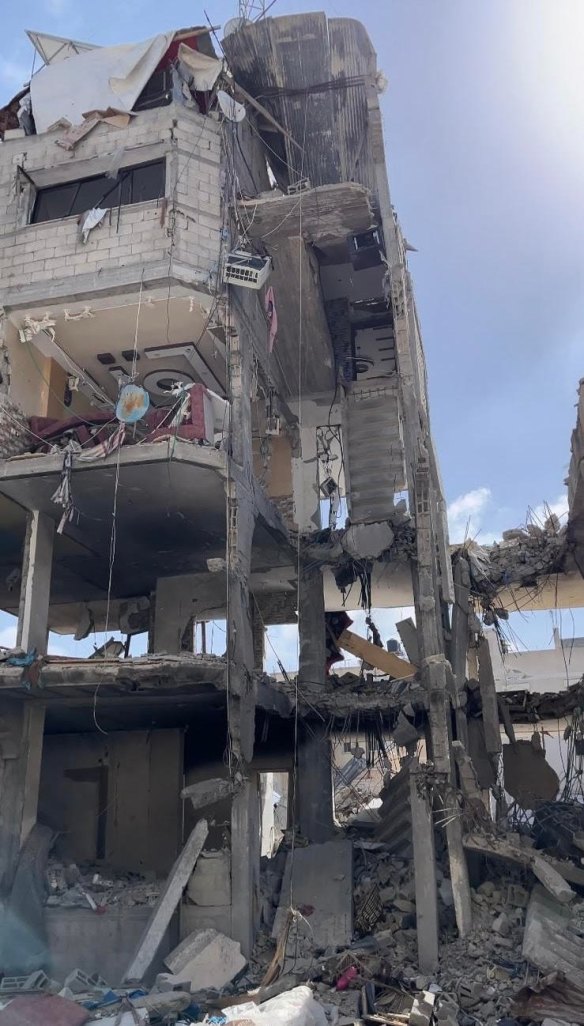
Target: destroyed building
[213,407]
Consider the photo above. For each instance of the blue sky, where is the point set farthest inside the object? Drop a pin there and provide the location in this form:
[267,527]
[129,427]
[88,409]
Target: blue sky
[483,120]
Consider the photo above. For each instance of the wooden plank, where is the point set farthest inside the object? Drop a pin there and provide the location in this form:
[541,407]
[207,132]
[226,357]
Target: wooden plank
[169,898]
[388,662]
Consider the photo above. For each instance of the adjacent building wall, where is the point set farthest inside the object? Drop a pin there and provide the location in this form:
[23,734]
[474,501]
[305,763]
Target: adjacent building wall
[548,669]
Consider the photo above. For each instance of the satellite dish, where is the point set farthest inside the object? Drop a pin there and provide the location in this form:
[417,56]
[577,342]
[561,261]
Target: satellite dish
[232,110]
[132,404]
[234,25]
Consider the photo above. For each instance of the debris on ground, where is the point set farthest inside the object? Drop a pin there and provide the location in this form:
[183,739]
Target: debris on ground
[73,886]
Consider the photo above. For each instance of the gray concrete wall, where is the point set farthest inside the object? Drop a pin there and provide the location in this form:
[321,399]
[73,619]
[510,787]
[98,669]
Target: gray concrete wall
[115,797]
[80,939]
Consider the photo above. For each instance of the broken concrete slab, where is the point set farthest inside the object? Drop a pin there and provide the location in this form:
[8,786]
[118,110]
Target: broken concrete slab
[168,900]
[550,996]
[210,884]
[206,958]
[551,940]
[409,638]
[207,792]
[542,868]
[367,541]
[422,1009]
[319,880]
[528,777]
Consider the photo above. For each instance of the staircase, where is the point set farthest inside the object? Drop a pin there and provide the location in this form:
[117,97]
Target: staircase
[373,451]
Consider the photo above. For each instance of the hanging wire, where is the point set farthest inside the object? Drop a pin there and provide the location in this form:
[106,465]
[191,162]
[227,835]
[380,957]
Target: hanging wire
[298,542]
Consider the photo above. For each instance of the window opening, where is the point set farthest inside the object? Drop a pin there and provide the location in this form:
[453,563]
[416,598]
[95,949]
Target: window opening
[133,185]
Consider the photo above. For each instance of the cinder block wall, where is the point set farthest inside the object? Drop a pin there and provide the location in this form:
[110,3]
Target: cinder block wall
[43,255]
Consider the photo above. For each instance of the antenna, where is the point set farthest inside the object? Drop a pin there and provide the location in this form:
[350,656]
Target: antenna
[253,10]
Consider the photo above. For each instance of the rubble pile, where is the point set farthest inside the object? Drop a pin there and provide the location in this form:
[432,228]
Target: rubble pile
[524,557]
[73,886]
[478,978]
[338,944]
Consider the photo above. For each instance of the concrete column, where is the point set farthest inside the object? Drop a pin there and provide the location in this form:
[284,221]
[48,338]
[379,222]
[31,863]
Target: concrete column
[173,615]
[459,642]
[425,872]
[314,784]
[314,789]
[245,862]
[37,564]
[259,639]
[311,627]
[22,723]
[21,746]
[240,640]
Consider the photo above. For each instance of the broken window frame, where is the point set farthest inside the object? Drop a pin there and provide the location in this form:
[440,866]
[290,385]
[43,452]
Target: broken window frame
[116,192]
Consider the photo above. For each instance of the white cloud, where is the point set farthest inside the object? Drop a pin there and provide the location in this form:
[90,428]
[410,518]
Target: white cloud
[477,517]
[466,513]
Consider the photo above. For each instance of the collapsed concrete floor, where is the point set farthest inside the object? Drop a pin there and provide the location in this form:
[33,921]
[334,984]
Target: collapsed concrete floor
[338,923]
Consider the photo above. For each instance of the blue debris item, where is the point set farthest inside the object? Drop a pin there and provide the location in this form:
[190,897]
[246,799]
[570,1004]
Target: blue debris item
[109,998]
[133,403]
[22,658]
[217,1020]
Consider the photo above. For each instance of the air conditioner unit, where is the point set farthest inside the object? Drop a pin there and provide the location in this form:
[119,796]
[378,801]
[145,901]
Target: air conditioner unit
[250,272]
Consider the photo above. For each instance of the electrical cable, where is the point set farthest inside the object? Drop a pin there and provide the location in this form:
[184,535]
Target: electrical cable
[112,557]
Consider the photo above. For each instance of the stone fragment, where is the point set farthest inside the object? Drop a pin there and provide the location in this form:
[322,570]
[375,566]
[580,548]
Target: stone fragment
[206,958]
[517,896]
[387,895]
[422,1009]
[404,905]
[486,888]
[501,925]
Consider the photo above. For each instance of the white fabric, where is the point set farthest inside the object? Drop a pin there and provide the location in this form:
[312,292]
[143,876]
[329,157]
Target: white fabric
[205,70]
[296,1007]
[90,220]
[233,110]
[111,76]
[57,48]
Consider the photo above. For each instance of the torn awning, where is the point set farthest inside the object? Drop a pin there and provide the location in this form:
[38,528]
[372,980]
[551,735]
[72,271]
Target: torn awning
[107,77]
[53,49]
[205,70]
